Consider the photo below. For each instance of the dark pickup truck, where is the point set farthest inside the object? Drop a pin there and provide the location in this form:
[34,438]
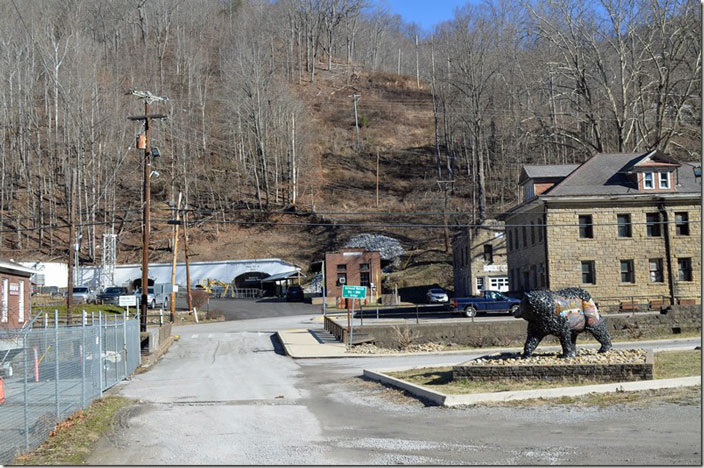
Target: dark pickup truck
[488,301]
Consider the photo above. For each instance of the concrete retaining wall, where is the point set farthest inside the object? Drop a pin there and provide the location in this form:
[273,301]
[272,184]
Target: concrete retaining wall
[675,320]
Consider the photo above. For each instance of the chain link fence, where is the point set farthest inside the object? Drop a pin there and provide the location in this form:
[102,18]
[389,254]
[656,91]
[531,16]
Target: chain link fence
[49,370]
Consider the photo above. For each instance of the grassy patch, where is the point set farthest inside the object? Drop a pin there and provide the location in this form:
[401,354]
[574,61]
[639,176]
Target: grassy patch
[671,364]
[72,440]
[668,364]
[79,308]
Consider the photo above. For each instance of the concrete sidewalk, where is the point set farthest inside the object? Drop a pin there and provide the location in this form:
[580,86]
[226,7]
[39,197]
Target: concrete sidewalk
[307,343]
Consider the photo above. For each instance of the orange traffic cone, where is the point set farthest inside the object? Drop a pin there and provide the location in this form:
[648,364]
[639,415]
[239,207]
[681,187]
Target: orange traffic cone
[2,391]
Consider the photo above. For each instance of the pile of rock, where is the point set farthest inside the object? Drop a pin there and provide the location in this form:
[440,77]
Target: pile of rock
[584,356]
[368,348]
[388,247]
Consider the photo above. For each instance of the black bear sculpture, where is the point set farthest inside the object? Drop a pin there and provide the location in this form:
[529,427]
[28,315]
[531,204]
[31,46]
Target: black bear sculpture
[565,314]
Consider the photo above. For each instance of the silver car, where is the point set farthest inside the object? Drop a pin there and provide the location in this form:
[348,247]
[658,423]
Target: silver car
[151,297]
[436,296]
[83,294]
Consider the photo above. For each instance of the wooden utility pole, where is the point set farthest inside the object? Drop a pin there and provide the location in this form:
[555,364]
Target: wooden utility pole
[377,178]
[71,244]
[188,272]
[148,99]
[173,264]
[356,123]
[417,65]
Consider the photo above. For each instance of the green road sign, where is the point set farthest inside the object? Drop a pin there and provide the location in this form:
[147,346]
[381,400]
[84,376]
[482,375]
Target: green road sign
[354,292]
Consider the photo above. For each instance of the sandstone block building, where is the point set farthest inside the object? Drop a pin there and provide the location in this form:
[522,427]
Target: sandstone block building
[479,259]
[620,225]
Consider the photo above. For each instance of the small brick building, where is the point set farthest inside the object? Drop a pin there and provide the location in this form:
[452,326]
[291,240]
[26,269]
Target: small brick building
[15,292]
[352,267]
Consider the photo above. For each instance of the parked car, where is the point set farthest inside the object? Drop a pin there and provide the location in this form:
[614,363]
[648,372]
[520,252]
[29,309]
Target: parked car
[488,301]
[436,296]
[151,298]
[294,294]
[112,295]
[83,294]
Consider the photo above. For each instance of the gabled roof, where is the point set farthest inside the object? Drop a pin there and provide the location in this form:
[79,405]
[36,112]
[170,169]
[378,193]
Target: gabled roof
[653,159]
[546,171]
[610,174]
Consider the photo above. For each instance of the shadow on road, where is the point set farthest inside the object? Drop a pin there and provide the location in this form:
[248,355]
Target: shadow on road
[278,347]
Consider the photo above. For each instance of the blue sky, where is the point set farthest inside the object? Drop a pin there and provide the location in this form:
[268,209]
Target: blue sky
[426,13]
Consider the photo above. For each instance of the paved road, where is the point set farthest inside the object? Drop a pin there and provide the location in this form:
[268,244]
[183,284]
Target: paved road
[224,395]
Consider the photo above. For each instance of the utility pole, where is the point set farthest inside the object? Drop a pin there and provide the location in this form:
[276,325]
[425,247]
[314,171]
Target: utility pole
[173,265]
[148,99]
[377,178]
[71,245]
[417,65]
[188,272]
[356,123]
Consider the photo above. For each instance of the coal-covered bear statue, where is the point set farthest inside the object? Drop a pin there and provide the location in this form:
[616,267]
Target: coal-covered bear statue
[565,314]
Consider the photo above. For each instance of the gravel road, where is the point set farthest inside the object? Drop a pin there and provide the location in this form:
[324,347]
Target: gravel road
[224,395]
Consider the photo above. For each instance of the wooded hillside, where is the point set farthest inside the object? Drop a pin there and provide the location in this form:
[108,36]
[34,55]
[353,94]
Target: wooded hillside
[260,133]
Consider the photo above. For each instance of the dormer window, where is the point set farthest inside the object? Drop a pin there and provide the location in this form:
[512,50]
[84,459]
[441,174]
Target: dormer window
[528,191]
[648,180]
[664,179]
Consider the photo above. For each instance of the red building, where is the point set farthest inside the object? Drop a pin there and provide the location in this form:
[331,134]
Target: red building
[352,267]
[15,291]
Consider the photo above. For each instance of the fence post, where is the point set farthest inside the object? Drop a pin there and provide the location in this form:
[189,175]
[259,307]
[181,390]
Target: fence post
[416,314]
[83,360]
[117,368]
[26,398]
[56,363]
[100,350]
[124,339]
[161,317]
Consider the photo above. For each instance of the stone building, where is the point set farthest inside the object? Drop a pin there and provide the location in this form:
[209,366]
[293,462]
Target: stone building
[479,259]
[15,292]
[623,226]
[352,267]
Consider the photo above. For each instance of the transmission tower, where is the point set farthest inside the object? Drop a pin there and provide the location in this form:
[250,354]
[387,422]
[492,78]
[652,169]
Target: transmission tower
[107,269]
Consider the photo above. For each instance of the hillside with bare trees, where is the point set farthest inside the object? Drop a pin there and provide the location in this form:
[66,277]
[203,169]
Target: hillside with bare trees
[260,135]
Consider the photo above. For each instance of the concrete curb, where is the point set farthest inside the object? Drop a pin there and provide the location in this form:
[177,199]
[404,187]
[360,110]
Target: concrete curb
[442,399]
[151,359]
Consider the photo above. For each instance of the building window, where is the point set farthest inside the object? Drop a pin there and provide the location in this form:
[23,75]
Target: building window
[480,283]
[542,275]
[529,191]
[532,233]
[588,272]
[648,180]
[655,266]
[342,267]
[627,272]
[509,240]
[684,269]
[664,180]
[363,267]
[488,253]
[20,315]
[498,283]
[540,231]
[525,237]
[682,223]
[364,279]
[585,227]
[624,225]
[341,279]
[5,295]
[526,281]
[652,223]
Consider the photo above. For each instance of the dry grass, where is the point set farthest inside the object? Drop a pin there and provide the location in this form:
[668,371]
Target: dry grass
[668,364]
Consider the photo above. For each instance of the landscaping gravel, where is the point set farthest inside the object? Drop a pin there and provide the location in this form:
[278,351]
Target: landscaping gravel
[388,247]
[584,356]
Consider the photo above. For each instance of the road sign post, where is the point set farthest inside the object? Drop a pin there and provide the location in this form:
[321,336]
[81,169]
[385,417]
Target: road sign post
[353,292]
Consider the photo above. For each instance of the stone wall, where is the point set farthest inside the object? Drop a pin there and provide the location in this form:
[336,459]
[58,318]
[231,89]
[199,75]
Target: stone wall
[558,372]
[567,250]
[678,319]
